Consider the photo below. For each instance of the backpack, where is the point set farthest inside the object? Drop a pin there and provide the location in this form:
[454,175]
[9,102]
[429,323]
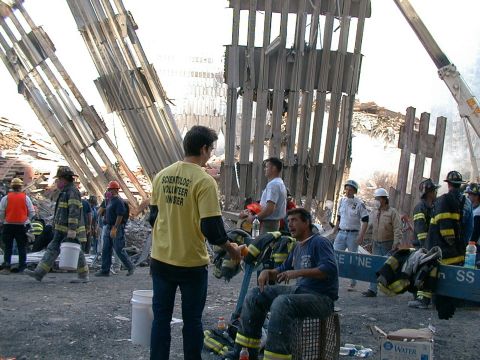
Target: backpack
[127,212]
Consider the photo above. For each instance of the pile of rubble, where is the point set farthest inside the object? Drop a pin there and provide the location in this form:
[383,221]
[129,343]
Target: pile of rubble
[377,122]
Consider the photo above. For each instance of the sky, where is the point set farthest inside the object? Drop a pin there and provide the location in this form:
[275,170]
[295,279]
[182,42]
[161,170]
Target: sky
[396,70]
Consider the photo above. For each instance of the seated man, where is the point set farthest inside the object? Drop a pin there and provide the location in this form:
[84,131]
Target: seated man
[312,263]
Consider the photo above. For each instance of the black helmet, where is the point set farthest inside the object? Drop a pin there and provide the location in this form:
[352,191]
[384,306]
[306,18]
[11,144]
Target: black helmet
[426,186]
[64,171]
[454,177]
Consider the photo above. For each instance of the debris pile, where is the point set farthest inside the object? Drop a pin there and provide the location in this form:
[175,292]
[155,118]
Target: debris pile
[376,121]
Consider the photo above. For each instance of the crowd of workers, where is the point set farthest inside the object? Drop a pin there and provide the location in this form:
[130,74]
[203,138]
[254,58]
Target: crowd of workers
[179,257]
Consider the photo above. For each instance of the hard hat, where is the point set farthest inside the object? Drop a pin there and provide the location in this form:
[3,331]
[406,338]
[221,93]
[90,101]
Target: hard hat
[64,171]
[380,192]
[352,183]
[426,186]
[254,207]
[113,185]
[473,188]
[16,182]
[454,177]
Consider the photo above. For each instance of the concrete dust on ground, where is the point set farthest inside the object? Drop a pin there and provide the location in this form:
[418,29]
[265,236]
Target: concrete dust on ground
[55,319]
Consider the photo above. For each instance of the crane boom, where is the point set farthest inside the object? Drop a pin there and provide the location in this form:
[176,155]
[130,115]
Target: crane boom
[468,106]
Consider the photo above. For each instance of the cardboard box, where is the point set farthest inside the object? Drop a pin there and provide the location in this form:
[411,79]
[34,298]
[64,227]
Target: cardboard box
[406,344]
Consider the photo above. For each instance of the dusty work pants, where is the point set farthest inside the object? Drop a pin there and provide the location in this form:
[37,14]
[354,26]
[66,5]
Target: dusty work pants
[52,252]
[383,249]
[19,233]
[347,240]
[285,303]
[193,284]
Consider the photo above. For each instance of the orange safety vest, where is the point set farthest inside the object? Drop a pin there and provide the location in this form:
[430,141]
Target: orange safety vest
[16,211]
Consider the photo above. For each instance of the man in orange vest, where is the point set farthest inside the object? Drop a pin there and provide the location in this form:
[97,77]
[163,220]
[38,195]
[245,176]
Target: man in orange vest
[16,209]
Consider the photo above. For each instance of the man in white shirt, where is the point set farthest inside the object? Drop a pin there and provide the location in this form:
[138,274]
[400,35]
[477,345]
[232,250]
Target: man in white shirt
[352,221]
[274,198]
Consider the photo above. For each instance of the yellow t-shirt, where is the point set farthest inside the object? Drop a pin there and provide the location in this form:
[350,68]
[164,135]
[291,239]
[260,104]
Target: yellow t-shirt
[184,194]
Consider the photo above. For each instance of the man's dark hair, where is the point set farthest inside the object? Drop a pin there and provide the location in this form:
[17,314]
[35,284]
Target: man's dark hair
[304,214]
[197,137]
[275,162]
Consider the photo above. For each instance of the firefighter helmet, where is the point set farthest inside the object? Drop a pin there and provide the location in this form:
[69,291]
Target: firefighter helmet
[113,185]
[16,182]
[454,177]
[473,188]
[380,192]
[64,171]
[254,207]
[352,183]
[426,186]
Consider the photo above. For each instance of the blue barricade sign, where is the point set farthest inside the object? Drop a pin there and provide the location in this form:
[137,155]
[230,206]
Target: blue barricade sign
[454,281]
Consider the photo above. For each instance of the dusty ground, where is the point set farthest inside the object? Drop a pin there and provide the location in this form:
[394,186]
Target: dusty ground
[58,320]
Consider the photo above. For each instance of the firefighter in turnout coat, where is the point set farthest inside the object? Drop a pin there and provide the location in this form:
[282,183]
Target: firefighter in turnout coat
[68,226]
[422,215]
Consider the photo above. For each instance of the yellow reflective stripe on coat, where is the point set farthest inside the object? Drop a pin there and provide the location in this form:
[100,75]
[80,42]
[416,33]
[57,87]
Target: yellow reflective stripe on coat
[61,228]
[247,342]
[392,262]
[453,260]
[62,204]
[74,202]
[422,236]
[268,355]
[399,286]
[72,220]
[447,216]
[424,294]
[279,258]
[252,249]
[419,216]
[447,232]
[386,290]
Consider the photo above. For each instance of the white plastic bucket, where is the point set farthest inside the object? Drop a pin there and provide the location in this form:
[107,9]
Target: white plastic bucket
[142,317]
[69,256]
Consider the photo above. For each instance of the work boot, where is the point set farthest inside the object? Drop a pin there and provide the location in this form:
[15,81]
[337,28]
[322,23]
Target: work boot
[369,293]
[82,279]
[131,271]
[419,303]
[35,274]
[5,271]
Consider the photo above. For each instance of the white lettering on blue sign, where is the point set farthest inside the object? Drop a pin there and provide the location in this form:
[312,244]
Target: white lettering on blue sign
[441,275]
[465,276]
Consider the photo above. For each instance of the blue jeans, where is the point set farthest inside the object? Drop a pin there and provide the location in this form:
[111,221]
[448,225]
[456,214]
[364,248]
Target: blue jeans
[380,248]
[347,240]
[118,245]
[193,283]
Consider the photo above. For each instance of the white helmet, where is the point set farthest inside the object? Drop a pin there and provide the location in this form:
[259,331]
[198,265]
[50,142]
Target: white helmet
[380,192]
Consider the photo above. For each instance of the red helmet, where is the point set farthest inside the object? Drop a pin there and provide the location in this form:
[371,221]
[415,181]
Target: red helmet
[113,185]
[255,208]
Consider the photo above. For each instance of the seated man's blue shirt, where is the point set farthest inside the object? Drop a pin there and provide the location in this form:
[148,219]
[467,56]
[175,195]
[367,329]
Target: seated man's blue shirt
[317,252]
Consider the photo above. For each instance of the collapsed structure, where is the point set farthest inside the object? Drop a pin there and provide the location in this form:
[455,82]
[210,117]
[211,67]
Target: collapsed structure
[278,86]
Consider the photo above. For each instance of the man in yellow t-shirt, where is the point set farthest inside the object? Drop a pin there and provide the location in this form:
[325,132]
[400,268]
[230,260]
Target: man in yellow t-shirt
[185,199]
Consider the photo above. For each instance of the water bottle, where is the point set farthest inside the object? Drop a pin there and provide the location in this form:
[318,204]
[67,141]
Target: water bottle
[347,351]
[244,354]
[364,353]
[221,324]
[470,255]
[255,228]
